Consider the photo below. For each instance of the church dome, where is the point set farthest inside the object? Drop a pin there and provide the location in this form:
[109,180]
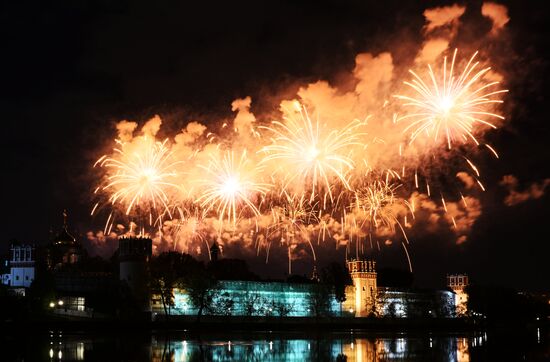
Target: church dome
[64,237]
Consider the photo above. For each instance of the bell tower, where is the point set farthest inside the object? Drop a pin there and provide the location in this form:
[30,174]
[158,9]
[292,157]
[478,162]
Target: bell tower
[363,274]
[458,283]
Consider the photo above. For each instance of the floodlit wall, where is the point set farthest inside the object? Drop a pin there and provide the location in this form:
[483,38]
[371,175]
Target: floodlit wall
[22,276]
[392,302]
[246,298]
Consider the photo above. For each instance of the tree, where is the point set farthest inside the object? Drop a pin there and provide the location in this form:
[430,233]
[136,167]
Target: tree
[201,289]
[504,304]
[395,278]
[42,290]
[265,307]
[222,305]
[337,276]
[282,309]
[168,271]
[372,306]
[251,304]
[231,269]
[319,300]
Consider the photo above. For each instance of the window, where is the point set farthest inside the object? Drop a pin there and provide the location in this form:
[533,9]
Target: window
[17,277]
[80,303]
[26,277]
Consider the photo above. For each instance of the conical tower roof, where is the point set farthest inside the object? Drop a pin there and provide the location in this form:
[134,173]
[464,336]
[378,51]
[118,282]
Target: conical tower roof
[64,237]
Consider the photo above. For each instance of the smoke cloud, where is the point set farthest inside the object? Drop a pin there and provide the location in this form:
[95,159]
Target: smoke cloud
[379,149]
[498,15]
[534,191]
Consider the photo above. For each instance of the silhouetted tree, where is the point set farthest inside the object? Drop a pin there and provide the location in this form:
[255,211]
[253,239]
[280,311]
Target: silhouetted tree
[282,309]
[319,299]
[503,304]
[231,269]
[251,304]
[168,271]
[394,278]
[337,276]
[42,290]
[299,279]
[202,288]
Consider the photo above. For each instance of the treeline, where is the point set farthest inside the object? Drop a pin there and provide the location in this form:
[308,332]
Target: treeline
[166,271]
[497,304]
[201,281]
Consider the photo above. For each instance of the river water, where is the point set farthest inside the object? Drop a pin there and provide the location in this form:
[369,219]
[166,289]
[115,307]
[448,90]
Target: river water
[352,345]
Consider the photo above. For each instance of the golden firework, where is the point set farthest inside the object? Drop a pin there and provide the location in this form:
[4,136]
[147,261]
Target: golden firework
[451,106]
[231,185]
[144,177]
[312,152]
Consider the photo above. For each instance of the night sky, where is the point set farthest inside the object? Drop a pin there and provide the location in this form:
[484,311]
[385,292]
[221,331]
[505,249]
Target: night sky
[70,70]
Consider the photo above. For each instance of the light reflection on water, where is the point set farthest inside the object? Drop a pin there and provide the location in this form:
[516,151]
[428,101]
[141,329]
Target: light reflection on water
[280,346]
[336,349]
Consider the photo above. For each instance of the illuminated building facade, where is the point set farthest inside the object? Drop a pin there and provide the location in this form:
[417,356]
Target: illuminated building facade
[403,303]
[458,283]
[361,296]
[21,266]
[253,298]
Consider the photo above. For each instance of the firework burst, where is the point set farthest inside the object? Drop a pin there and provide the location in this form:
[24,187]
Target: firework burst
[143,179]
[312,152]
[231,186]
[449,106]
[376,201]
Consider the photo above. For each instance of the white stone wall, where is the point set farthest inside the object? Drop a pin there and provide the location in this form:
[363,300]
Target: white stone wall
[22,276]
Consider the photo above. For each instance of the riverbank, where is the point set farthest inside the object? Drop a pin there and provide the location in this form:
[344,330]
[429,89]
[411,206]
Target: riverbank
[264,323]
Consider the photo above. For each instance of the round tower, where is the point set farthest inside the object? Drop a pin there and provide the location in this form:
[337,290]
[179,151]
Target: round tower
[363,274]
[214,252]
[134,254]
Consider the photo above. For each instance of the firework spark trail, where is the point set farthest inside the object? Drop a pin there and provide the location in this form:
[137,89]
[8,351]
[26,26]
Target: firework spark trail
[377,201]
[450,105]
[290,222]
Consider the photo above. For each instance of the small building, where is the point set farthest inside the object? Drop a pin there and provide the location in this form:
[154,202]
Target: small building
[21,267]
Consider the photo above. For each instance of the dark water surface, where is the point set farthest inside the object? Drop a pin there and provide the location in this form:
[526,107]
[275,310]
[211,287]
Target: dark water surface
[352,345]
